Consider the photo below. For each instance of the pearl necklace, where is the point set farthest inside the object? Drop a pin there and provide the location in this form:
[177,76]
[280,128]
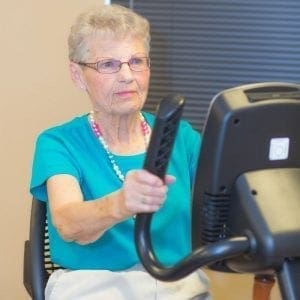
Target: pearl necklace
[96,129]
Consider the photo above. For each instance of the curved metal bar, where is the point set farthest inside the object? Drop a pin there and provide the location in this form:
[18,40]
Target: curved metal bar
[205,255]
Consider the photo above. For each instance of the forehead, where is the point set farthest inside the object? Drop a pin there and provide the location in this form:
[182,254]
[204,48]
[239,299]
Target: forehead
[115,48]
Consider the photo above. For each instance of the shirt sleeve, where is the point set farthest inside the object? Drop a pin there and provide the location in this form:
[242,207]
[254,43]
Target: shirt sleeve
[52,157]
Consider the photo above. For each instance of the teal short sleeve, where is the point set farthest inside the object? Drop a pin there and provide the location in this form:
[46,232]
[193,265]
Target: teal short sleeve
[51,157]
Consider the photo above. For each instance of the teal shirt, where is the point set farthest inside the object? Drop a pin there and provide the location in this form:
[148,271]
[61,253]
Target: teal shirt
[72,148]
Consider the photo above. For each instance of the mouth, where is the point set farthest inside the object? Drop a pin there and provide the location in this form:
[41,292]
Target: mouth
[125,94]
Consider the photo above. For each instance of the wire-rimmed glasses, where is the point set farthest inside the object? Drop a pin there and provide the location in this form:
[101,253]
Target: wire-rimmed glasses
[110,65]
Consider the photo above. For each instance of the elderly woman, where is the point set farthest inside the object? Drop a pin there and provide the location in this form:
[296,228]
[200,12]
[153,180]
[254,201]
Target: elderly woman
[89,171]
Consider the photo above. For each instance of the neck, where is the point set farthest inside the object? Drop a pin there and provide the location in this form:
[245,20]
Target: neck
[125,134]
[118,129]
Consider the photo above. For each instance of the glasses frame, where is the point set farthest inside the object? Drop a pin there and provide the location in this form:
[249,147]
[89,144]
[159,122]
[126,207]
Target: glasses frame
[94,65]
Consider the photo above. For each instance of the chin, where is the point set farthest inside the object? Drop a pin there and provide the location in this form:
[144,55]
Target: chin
[127,108]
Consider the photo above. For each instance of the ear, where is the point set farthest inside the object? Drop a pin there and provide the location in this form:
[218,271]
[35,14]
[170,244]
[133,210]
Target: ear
[77,75]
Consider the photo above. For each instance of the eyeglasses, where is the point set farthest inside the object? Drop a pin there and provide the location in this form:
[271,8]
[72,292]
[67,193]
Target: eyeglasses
[109,65]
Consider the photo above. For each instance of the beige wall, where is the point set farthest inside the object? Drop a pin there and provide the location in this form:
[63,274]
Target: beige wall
[36,93]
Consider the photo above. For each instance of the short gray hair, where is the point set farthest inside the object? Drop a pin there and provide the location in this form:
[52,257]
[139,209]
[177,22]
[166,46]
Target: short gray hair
[106,20]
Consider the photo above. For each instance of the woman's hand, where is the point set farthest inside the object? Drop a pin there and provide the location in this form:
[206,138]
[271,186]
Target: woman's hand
[144,192]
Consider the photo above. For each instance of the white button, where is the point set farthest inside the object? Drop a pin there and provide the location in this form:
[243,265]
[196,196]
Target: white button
[279,148]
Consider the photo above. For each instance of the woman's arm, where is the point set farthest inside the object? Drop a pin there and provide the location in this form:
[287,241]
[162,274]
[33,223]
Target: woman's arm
[85,221]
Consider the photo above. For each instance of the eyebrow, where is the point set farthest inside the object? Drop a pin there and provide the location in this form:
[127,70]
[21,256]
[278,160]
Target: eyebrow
[139,54]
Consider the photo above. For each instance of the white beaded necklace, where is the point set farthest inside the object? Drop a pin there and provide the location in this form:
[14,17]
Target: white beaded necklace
[96,129]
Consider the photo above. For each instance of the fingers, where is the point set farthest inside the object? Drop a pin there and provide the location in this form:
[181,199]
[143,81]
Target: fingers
[152,200]
[147,177]
[154,197]
[145,192]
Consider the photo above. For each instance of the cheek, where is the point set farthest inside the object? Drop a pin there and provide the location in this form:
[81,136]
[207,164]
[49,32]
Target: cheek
[101,88]
[144,82]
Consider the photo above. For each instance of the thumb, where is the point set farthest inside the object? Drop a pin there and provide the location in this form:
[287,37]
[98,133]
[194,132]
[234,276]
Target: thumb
[169,179]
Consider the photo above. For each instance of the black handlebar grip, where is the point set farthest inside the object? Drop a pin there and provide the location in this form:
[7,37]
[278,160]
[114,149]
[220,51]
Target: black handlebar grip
[163,134]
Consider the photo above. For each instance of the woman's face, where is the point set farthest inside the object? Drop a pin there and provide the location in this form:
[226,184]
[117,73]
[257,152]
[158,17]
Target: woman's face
[123,92]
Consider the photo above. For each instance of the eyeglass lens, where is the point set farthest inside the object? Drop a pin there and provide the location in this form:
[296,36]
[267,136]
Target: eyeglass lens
[114,65]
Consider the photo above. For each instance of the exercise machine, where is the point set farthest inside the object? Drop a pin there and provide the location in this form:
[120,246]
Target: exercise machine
[246,197]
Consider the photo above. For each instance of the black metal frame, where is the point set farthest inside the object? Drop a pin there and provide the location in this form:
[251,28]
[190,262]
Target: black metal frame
[37,263]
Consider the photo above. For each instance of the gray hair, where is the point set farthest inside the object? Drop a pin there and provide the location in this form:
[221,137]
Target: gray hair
[106,20]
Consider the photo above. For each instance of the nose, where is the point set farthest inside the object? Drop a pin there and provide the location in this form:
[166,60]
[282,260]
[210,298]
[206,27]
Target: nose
[125,73]
[126,63]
